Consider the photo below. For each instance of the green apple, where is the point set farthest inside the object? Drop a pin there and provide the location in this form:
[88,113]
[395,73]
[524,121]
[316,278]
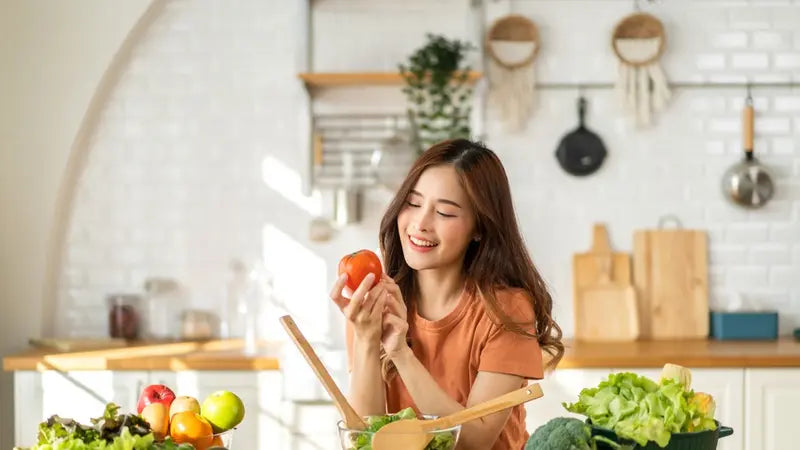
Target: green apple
[223,409]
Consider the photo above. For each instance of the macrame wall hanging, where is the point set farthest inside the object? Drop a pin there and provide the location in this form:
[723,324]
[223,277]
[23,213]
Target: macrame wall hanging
[638,41]
[512,44]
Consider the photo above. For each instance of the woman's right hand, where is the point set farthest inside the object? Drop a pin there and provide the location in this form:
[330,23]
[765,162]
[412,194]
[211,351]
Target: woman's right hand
[364,309]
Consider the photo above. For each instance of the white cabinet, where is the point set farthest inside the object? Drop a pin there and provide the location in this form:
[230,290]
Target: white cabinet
[83,395]
[727,388]
[563,385]
[313,425]
[79,395]
[771,399]
[199,384]
[759,404]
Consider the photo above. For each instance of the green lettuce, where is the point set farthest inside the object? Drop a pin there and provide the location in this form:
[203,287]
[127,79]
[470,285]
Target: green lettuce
[639,409]
[111,431]
[363,440]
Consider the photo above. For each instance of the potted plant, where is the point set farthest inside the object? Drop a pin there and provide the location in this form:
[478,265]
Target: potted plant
[437,89]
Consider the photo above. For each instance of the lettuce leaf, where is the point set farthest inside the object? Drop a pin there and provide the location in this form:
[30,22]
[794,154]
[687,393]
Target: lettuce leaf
[639,409]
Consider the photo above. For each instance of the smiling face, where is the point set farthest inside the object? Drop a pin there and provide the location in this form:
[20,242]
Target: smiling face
[437,222]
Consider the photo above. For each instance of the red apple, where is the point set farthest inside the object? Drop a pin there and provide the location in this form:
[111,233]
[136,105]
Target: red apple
[155,393]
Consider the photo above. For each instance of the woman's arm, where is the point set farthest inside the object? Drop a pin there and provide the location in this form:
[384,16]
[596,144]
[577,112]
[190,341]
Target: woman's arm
[367,392]
[432,399]
[364,311]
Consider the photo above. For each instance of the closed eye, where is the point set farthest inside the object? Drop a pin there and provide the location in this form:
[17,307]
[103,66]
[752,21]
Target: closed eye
[444,215]
[413,205]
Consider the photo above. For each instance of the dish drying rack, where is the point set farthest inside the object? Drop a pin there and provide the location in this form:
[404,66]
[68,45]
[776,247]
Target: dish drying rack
[358,151]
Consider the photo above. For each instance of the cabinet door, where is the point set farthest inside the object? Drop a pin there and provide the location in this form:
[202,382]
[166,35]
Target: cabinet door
[28,401]
[81,395]
[78,395]
[771,399]
[563,385]
[313,425]
[199,384]
[727,388]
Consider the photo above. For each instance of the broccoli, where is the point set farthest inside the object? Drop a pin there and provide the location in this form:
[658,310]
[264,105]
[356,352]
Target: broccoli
[566,433]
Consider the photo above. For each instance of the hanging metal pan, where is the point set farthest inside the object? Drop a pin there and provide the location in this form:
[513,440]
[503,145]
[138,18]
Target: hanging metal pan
[581,152]
[748,183]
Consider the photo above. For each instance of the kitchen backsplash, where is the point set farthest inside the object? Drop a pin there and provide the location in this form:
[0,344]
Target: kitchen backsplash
[199,156]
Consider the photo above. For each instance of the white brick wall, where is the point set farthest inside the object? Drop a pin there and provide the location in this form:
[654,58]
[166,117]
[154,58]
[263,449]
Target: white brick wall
[175,184]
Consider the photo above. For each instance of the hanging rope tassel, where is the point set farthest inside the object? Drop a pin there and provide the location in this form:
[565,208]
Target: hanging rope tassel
[512,43]
[638,42]
[512,92]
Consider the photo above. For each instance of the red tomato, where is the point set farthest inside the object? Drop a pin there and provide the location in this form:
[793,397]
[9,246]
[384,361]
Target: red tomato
[357,265]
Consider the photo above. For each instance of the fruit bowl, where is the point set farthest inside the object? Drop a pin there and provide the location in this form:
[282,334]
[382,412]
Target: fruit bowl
[223,440]
[444,439]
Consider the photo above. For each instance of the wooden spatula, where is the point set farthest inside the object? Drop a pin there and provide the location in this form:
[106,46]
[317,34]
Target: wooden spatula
[351,419]
[413,434]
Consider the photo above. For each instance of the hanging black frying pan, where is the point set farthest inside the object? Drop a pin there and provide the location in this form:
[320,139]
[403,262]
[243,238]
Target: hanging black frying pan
[748,183]
[581,152]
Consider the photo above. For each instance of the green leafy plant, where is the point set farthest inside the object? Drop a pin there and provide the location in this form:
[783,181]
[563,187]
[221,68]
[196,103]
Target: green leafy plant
[438,90]
[637,408]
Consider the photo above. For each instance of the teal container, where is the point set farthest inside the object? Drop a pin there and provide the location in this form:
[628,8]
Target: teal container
[702,440]
[744,325]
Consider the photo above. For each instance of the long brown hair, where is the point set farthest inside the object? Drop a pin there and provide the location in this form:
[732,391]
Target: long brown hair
[498,260]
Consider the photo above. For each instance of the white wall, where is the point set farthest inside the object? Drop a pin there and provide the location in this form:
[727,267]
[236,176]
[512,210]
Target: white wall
[175,183]
[52,56]
[209,109]
[175,180]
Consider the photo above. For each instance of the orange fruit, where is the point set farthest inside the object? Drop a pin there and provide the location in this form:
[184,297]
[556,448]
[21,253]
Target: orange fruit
[217,441]
[188,427]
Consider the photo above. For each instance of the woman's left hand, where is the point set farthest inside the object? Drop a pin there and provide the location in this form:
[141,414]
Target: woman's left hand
[395,319]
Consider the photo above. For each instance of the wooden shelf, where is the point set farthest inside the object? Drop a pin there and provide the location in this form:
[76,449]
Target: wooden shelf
[339,79]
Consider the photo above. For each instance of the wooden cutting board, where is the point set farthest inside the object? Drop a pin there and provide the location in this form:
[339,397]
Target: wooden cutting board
[670,271]
[605,306]
[69,345]
[606,311]
[586,266]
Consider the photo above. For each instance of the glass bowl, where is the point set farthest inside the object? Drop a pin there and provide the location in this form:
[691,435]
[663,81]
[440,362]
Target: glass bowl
[362,440]
[219,441]
[223,440]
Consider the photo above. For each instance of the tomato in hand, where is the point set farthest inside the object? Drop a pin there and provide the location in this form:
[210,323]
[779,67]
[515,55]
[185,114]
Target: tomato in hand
[357,265]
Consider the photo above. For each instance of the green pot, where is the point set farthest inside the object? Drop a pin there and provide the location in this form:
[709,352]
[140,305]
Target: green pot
[701,440]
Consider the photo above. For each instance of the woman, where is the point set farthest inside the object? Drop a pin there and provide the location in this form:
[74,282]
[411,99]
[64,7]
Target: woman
[461,315]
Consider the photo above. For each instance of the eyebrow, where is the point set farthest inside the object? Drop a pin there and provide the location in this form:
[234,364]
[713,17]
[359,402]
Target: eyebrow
[440,200]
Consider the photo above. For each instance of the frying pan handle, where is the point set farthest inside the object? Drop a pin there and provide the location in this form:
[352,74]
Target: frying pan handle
[747,126]
[581,111]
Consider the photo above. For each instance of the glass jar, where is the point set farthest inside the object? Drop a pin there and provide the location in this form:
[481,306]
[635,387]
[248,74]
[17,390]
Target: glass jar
[199,325]
[123,315]
[161,308]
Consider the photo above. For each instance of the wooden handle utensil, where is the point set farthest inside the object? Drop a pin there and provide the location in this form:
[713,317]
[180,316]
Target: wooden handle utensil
[414,434]
[351,419]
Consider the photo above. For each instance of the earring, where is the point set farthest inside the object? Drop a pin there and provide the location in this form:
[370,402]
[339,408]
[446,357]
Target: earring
[476,238]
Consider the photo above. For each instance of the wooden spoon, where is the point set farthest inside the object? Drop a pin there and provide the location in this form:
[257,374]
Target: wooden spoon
[413,434]
[351,419]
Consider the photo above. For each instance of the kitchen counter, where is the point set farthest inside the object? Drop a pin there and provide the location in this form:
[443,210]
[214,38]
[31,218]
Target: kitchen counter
[207,355]
[227,355]
[784,352]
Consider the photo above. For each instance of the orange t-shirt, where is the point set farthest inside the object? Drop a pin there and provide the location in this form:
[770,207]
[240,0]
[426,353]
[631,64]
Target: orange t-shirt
[469,340]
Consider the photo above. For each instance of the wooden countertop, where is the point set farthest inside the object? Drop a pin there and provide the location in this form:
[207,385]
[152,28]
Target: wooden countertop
[784,352]
[208,355]
[227,355]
